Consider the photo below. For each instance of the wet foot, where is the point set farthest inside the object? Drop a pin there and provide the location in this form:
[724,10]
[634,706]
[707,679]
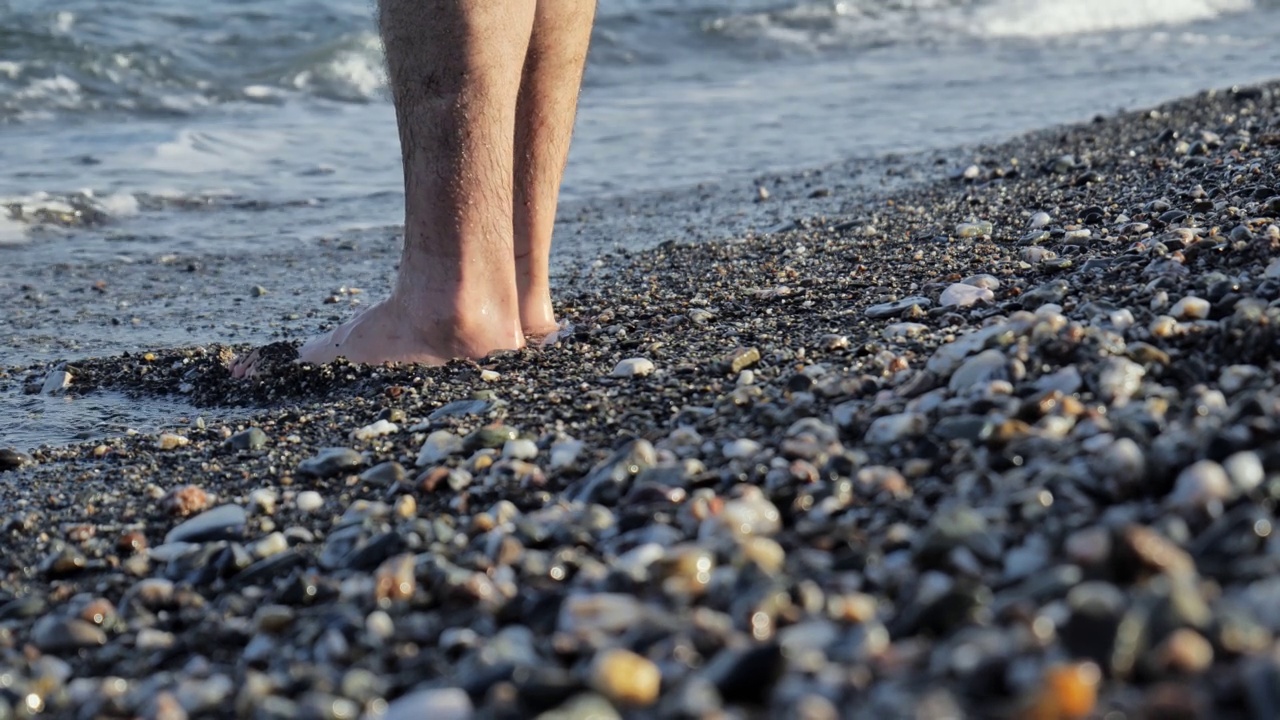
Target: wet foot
[391,332]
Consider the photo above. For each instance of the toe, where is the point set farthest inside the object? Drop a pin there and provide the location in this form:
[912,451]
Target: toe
[245,365]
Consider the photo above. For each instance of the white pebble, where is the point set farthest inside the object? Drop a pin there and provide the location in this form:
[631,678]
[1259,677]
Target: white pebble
[1039,220]
[892,428]
[741,449]
[1190,308]
[983,280]
[438,446]
[904,330]
[1245,470]
[961,295]
[309,501]
[632,367]
[377,429]
[489,376]
[520,449]
[1200,484]
[565,453]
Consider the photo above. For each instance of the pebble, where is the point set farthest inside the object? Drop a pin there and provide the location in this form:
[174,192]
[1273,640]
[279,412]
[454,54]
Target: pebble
[330,462]
[375,430]
[54,634]
[435,703]
[1201,484]
[904,331]
[438,446]
[625,677]
[250,439]
[897,307]
[385,474]
[1190,308]
[220,523]
[980,369]
[894,428]
[633,367]
[56,383]
[11,459]
[309,501]
[962,296]
[171,441]
[741,449]
[520,449]
[564,453]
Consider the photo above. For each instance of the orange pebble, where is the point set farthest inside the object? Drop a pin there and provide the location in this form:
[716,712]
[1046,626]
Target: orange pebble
[1069,692]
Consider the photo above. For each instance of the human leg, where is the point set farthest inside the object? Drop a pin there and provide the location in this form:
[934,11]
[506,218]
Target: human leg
[455,69]
[548,100]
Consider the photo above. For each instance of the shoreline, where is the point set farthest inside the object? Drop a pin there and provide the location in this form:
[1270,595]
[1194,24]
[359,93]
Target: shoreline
[821,501]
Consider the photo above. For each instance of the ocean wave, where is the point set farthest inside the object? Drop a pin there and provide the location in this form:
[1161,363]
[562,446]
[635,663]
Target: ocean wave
[863,24]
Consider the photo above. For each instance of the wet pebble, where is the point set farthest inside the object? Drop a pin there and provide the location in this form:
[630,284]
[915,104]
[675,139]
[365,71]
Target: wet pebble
[250,439]
[330,462]
[222,522]
[438,446]
[962,296]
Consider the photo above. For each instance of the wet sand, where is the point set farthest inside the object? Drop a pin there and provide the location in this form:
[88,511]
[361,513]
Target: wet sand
[995,440]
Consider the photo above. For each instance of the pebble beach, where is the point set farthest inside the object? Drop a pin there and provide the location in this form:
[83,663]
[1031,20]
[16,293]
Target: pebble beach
[997,442]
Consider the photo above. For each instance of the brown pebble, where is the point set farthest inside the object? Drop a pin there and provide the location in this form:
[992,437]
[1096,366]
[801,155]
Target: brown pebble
[1156,552]
[1184,651]
[394,579]
[131,542]
[1068,692]
[625,677]
[185,500]
[99,611]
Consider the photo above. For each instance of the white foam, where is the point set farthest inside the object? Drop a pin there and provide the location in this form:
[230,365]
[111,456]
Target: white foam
[12,232]
[10,69]
[1050,18]
[353,73]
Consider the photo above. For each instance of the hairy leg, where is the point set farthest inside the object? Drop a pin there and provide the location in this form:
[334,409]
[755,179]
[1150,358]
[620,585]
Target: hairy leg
[455,71]
[548,101]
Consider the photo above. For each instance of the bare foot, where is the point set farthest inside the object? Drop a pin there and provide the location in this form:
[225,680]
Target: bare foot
[396,331]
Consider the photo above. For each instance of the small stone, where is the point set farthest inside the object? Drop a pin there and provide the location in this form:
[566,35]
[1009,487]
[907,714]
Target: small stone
[1039,220]
[584,706]
[1068,692]
[520,449]
[1201,484]
[330,462]
[309,501]
[1273,269]
[1245,470]
[741,359]
[633,367]
[171,441]
[904,331]
[961,295]
[565,453]
[11,459]
[438,446]
[490,437]
[897,307]
[220,523]
[186,500]
[374,430]
[489,376]
[625,677]
[893,428]
[251,439]
[384,474]
[1185,651]
[56,382]
[394,579]
[461,408]
[978,370]
[1190,308]
[983,280]
[257,291]
[436,703]
[53,634]
[741,449]
[1119,379]
[974,229]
